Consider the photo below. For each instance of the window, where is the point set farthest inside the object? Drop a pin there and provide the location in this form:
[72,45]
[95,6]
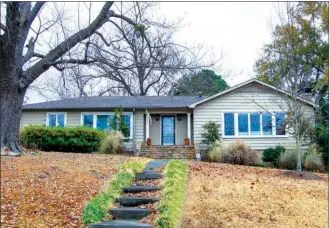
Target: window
[56,119]
[103,121]
[280,126]
[243,124]
[267,124]
[229,124]
[255,123]
[88,120]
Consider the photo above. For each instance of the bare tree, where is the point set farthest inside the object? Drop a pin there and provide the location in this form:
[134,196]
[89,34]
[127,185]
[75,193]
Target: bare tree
[21,63]
[291,81]
[144,60]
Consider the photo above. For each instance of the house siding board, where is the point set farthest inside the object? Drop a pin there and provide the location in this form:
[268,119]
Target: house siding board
[239,101]
[139,127]
[33,118]
[73,119]
[154,130]
[182,130]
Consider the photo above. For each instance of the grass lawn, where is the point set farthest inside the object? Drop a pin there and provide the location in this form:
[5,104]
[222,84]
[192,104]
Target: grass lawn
[52,189]
[221,195]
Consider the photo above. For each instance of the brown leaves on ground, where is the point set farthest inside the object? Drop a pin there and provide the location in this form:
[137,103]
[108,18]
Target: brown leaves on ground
[52,189]
[222,195]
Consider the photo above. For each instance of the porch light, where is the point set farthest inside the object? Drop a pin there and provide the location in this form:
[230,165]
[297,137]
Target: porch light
[157,117]
[179,117]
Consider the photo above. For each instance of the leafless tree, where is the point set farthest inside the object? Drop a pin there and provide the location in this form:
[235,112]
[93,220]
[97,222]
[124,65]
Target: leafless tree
[23,59]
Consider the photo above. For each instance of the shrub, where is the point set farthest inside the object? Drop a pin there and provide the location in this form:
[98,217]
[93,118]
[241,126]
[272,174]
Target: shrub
[240,154]
[288,160]
[111,144]
[172,199]
[117,123]
[211,133]
[71,139]
[313,162]
[97,208]
[216,152]
[272,154]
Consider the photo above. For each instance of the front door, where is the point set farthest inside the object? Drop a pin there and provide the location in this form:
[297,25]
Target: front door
[168,130]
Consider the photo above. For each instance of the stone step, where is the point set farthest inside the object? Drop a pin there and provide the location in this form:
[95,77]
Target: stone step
[148,175]
[130,212]
[140,188]
[135,201]
[120,224]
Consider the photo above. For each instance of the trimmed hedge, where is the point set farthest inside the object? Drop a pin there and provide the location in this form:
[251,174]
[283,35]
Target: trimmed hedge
[70,139]
[172,199]
[97,209]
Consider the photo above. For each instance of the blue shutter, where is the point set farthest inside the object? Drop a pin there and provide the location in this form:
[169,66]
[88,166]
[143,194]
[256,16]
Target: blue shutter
[255,123]
[229,124]
[267,124]
[280,127]
[243,126]
[127,119]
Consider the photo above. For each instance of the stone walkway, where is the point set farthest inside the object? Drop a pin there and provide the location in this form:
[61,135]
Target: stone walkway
[128,213]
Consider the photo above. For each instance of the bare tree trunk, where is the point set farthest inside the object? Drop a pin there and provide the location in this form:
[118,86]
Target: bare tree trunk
[11,108]
[299,157]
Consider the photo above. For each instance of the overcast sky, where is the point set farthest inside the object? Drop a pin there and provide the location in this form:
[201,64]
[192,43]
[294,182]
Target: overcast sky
[238,30]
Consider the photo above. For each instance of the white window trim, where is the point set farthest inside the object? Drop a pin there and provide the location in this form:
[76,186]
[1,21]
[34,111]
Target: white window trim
[55,113]
[95,114]
[249,128]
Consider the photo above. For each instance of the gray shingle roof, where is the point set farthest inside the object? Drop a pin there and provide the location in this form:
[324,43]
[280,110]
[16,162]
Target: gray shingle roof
[116,101]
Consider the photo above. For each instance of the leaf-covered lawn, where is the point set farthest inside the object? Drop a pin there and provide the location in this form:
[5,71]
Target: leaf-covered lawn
[52,189]
[221,195]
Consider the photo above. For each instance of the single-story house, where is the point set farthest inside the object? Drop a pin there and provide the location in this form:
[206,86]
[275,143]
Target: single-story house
[168,120]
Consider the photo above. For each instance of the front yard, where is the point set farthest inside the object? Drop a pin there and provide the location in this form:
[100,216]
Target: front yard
[222,195]
[52,189]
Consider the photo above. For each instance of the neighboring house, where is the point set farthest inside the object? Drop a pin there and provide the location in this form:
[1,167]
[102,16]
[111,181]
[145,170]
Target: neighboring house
[239,110]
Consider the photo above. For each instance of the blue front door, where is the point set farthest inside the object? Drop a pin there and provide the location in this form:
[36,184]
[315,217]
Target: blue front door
[168,130]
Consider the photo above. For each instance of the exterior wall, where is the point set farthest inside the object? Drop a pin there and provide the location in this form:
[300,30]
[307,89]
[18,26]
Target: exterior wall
[181,130]
[155,130]
[32,118]
[246,99]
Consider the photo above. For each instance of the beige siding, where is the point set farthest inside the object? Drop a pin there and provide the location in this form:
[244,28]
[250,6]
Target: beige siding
[181,130]
[73,119]
[248,99]
[32,118]
[155,130]
[139,126]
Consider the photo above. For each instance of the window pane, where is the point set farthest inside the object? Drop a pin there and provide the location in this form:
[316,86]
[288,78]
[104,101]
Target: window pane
[52,120]
[127,119]
[229,124]
[88,120]
[267,124]
[243,128]
[60,120]
[102,122]
[280,127]
[255,123]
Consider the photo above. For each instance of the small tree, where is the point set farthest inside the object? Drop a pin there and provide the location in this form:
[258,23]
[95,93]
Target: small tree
[211,133]
[117,123]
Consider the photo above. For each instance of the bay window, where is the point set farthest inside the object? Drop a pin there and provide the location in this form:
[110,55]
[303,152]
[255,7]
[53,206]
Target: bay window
[254,124]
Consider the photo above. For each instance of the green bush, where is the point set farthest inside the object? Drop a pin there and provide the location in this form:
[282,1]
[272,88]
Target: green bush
[172,199]
[111,143]
[272,154]
[211,133]
[288,160]
[70,139]
[97,209]
[240,154]
[313,162]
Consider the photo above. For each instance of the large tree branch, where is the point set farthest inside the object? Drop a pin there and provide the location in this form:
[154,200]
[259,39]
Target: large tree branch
[43,65]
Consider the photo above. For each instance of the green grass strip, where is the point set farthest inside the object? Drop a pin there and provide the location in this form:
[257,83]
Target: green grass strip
[172,199]
[97,209]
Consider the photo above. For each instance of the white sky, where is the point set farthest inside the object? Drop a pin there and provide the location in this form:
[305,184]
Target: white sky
[238,30]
